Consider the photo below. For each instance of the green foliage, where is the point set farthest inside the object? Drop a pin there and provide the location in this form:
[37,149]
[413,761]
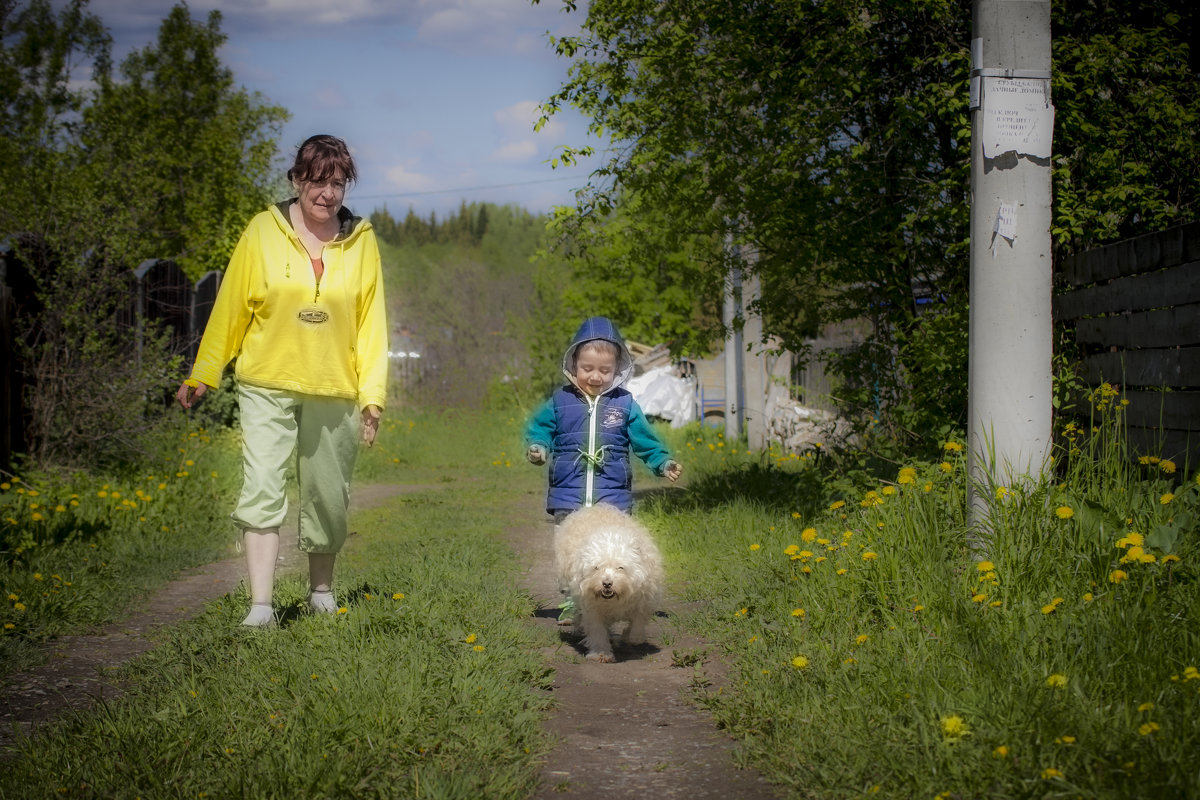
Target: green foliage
[169,162]
[430,683]
[874,649]
[474,312]
[68,537]
[830,143]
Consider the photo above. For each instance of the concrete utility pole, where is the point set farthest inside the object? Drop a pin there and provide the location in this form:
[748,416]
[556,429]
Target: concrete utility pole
[1012,119]
[733,354]
[754,402]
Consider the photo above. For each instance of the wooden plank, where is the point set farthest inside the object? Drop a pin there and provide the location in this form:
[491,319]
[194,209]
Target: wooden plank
[1180,447]
[1176,410]
[1168,287]
[1177,368]
[1132,256]
[1168,327]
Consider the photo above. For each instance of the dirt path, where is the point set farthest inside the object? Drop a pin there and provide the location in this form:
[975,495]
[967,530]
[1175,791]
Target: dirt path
[622,729]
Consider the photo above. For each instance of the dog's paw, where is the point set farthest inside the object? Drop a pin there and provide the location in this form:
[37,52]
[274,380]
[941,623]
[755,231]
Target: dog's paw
[603,658]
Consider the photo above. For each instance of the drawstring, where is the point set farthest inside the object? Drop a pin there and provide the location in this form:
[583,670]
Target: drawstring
[594,459]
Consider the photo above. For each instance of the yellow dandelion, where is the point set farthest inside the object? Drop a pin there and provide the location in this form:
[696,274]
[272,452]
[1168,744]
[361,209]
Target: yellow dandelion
[985,566]
[1065,740]
[954,726]
[1167,466]
[1166,498]
[1117,575]
[907,475]
[889,490]
[1050,773]
[1064,512]
[1000,752]
[1145,706]
[861,638]
[398,596]
[869,556]
[800,662]
[791,550]
[18,606]
[1001,492]
[808,534]
[952,447]
[918,608]
[755,546]
[470,638]
[798,612]
[343,610]
[841,571]
[1170,559]
[1057,681]
[1148,728]
[835,505]
[478,648]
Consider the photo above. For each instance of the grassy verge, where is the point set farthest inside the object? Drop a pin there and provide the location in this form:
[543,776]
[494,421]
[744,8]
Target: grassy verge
[876,652]
[78,550]
[425,684]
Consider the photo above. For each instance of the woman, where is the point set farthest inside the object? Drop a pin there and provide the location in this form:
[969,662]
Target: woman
[301,308]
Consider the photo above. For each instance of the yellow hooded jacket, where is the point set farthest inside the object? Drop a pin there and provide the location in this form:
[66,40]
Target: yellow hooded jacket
[289,331]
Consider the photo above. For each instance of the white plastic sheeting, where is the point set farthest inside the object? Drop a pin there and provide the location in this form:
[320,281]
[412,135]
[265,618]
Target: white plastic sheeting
[661,393]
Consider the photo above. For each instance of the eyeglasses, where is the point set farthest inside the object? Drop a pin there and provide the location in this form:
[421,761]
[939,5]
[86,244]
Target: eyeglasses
[337,187]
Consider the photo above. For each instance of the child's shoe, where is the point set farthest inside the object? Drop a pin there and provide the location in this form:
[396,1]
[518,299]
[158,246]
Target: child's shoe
[322,603]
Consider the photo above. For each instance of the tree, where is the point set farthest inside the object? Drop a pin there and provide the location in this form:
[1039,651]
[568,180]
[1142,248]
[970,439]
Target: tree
[169,161]
[194,151]
[832,140]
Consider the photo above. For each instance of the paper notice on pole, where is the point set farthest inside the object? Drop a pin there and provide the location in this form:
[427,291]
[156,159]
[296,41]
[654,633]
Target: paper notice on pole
[1006,222]
[1017,117]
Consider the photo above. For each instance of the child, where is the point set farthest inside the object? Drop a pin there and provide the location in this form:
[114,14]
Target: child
[588,427]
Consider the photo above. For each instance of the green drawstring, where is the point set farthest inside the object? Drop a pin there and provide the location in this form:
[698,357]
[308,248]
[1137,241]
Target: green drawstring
[596,459]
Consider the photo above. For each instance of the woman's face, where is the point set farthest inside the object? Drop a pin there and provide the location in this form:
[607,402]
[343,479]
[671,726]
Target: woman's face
[320,201]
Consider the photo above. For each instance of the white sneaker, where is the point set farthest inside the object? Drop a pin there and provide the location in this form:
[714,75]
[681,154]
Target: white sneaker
[322,603]
[261,615]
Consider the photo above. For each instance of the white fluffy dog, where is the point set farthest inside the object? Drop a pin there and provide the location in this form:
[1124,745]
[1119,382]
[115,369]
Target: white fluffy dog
[613,572]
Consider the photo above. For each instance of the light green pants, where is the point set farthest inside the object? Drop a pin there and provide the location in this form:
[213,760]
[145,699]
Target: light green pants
[323,432]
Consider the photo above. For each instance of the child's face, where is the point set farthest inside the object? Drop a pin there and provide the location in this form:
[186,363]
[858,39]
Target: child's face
[594,370]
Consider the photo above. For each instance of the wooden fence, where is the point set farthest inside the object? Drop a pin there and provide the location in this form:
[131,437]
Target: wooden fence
[1134,307]
[159,293]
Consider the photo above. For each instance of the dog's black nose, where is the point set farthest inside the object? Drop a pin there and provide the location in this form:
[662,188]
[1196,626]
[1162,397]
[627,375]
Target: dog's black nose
[607,584]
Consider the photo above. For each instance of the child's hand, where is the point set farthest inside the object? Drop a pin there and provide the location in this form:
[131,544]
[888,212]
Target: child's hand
[673,470]
[536,454]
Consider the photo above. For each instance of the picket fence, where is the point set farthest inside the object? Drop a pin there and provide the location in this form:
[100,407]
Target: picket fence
[160,293]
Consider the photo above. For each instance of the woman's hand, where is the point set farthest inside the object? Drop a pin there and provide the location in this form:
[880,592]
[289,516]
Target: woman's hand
[188,395]
[370,419]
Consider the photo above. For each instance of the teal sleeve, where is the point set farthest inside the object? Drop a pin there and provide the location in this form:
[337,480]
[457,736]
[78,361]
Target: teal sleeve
[645,442]
[541,426]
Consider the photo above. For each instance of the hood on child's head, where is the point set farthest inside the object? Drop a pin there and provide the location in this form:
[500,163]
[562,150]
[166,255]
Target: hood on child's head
[600,328]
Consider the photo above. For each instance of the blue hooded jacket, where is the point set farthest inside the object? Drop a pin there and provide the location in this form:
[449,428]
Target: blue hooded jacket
[590,438]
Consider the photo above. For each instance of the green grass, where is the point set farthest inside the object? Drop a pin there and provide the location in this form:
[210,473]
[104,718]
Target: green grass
[78,550]
[872,648]
[427,684]
[875,651]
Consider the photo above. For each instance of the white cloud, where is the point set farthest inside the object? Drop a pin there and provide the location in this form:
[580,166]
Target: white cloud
[402,180]
[518,141]
[515,151]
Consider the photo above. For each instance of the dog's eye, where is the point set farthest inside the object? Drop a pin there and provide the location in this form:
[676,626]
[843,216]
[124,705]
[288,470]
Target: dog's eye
[622,569]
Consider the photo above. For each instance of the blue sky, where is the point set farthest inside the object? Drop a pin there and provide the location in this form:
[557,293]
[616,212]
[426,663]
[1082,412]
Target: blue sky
[436,98]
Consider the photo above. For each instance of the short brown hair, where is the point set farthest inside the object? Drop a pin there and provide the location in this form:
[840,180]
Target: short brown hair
[322,158]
